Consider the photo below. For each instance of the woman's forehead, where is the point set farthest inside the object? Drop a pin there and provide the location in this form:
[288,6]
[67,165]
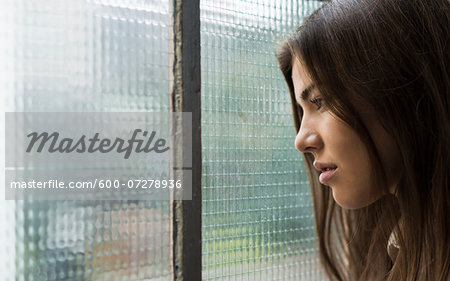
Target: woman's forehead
[303,85]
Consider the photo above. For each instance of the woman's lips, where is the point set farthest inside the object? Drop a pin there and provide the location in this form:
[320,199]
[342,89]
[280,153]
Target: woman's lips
[326,175]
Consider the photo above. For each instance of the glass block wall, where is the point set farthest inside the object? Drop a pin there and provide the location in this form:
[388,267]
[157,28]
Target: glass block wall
[84,56]
[256,210]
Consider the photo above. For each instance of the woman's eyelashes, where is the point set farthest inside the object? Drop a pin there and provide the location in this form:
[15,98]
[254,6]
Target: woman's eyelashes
[317,101]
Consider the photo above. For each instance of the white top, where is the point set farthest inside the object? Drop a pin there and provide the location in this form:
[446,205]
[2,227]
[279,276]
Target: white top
[392,246]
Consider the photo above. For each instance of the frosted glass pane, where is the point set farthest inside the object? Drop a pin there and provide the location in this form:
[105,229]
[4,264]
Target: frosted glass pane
[257,211]
[84,56]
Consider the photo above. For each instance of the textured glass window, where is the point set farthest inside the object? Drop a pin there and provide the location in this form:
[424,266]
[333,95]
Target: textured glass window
[84,56]
[112,55]
[257,214]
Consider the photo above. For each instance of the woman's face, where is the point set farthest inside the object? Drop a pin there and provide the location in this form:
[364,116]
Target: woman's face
[339,154]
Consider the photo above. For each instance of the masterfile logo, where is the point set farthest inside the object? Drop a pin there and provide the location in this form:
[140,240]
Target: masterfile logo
[96,155]
[94,144]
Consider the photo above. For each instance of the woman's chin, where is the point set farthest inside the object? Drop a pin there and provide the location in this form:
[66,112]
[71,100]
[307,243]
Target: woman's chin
[353,201]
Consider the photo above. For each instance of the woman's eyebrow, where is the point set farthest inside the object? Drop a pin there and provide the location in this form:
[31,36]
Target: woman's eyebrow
[306,92]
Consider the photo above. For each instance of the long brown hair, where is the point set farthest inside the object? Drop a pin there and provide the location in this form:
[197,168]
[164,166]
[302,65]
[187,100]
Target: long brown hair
[393,55]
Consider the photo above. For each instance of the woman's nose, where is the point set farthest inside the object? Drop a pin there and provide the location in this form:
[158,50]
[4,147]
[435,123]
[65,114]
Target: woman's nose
[308,139]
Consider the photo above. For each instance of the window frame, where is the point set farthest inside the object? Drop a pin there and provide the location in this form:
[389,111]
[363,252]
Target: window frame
[185,215]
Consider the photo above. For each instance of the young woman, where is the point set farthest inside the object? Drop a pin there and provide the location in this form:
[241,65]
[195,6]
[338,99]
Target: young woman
[370,84]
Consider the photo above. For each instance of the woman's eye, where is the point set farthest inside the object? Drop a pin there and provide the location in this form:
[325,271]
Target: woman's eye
[317,102]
